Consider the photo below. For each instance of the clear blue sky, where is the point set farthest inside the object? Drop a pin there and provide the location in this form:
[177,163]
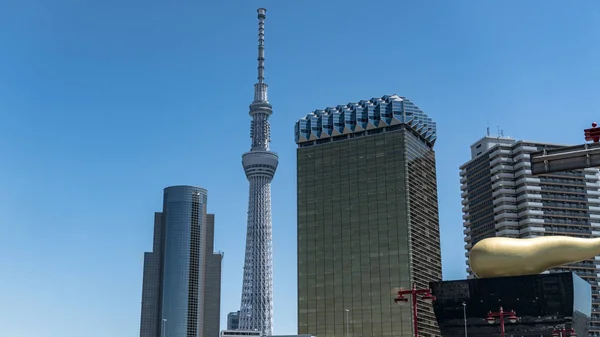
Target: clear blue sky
[105,103]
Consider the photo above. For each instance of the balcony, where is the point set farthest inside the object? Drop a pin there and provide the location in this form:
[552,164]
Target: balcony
[503,191]
[500,183]
[501,168]
[505,223]
[502,155]
[463,179]
[505,215]
[522,164]
[528,180]
[530,204]
[591,177]
[464,194]
[505,207]
[594,208]
[528,188]
[592,185]
[529,230]
[530,235]
[465,209]
[507,232]
[529,196]
[503,175]
[522,156]
[522,172]
[504,199]
[499,160]
[465,201]
[531,221]
[531,212]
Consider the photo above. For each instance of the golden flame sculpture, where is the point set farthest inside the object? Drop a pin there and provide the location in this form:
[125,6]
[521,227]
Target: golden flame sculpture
[498,256]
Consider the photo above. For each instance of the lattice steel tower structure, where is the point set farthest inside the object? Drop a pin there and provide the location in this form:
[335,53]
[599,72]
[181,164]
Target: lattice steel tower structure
[256,312]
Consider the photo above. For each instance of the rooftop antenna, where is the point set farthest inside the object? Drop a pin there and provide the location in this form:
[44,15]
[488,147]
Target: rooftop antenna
[488,131]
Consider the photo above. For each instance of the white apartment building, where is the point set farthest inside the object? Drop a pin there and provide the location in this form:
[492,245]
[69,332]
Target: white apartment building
[500,197]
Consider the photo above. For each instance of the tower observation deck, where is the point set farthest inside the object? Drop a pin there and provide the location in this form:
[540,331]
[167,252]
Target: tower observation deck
[260,164]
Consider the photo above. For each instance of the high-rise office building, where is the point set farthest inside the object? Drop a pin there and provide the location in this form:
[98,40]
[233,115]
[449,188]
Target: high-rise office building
[367,218]
[500,197]
[233,320]
[256,312]
[181,294]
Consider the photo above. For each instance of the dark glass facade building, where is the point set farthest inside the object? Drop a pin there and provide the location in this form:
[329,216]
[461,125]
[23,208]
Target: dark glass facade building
[367,218]
[181,292]
[542,303]
[233,320]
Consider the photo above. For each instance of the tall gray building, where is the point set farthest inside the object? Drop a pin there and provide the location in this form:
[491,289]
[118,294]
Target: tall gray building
[367,218]
[501,197]
[181,294]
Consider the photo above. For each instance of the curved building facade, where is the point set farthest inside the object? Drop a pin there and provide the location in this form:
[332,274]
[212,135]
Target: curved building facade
[184,212]
[182,276]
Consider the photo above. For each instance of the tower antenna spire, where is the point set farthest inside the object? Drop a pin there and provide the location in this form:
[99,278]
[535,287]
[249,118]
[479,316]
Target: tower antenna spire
[260,89]
[262,15]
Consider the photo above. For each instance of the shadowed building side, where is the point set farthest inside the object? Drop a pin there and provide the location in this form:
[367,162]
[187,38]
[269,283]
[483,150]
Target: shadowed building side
[212,290]
[152,283]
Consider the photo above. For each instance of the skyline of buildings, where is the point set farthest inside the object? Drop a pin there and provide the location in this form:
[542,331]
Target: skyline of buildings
[500,197]
[368,223]
[260,164]
[181,287]
[367,218]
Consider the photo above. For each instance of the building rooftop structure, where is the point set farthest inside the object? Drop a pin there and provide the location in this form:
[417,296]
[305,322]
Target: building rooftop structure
[334,123]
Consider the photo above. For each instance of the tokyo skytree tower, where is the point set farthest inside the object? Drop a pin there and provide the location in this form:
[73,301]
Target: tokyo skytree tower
[256,312]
